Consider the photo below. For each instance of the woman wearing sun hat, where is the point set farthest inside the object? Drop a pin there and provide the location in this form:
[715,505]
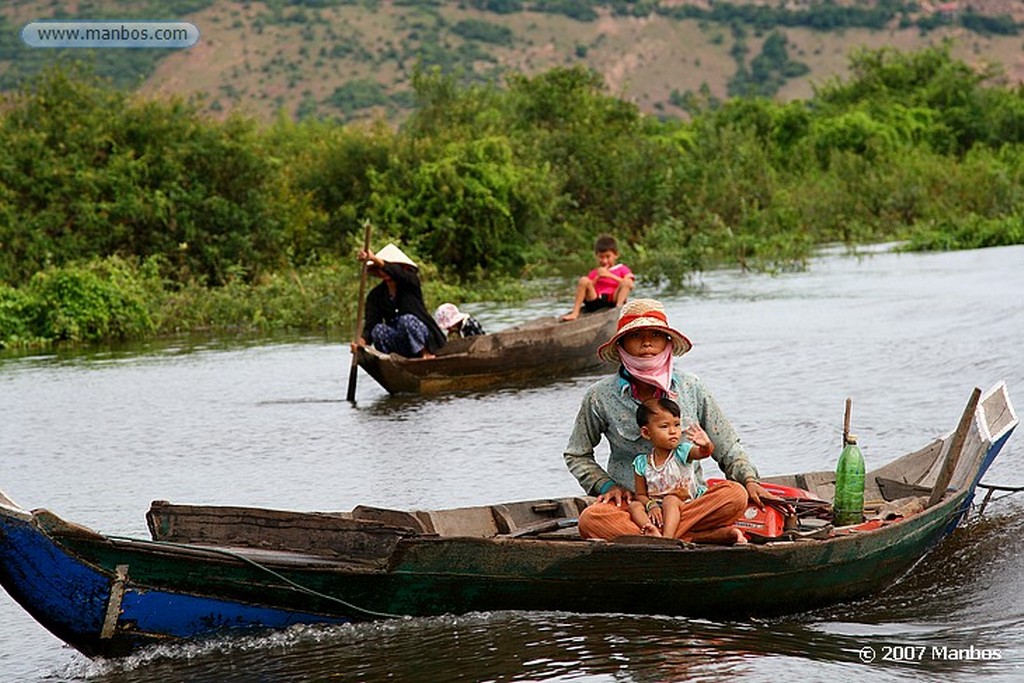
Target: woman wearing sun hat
[643,347]
[396,318]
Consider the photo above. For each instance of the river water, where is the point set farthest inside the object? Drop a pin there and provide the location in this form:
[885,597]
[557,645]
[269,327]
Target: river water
[96,436]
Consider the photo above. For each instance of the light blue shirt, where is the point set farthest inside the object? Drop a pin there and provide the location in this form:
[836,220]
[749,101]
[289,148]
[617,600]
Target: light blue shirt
[608,409]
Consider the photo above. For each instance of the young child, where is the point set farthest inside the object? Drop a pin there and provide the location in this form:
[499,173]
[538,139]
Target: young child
[664,478]
[455,323]
[607,285]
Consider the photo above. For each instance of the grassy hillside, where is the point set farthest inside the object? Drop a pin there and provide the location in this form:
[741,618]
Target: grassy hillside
[346,60]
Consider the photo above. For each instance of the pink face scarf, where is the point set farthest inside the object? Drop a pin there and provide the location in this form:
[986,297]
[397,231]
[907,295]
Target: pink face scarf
[655,370]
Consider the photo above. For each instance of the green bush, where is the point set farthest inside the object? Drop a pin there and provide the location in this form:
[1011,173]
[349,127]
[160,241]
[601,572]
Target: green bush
[90,172]
[88,304]
[973,232]
[356,95]
[14,314]
[483,31]
[466,206]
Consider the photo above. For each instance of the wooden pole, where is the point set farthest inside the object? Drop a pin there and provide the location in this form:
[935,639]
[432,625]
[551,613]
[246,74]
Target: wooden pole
[353,371]
[846,423]
[956,445]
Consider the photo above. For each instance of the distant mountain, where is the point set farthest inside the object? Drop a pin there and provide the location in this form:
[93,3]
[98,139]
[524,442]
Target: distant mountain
[353,59]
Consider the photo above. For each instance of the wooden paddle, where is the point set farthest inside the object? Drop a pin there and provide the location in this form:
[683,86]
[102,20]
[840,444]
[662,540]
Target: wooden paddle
[353,372]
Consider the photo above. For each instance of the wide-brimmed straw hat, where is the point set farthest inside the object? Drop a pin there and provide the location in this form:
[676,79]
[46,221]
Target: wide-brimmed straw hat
[640,314]
[392,254]
[448,316]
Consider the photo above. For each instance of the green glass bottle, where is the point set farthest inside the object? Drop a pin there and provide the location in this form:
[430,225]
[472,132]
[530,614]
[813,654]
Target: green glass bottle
[848,505]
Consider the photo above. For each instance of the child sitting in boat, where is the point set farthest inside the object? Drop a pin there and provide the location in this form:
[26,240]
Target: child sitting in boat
[606,286]
[664,478]
[455,323]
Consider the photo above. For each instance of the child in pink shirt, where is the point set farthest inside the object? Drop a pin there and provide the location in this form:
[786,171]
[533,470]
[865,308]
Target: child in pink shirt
[606,286]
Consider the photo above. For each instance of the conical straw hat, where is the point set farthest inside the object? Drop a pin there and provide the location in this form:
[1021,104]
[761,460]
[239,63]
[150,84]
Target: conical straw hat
[392,254]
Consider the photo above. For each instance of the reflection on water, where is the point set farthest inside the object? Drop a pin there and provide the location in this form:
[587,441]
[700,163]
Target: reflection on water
[97,436]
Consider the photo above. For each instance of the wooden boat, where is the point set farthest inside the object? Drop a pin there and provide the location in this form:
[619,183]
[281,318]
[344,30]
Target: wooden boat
[541,348]
[210,570]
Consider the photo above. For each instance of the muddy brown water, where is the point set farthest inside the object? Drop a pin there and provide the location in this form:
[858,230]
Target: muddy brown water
[96,436]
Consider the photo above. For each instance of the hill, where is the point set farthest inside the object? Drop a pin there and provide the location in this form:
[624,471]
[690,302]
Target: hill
[349,59]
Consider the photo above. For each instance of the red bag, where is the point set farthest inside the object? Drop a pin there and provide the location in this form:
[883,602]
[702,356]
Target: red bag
[769,521]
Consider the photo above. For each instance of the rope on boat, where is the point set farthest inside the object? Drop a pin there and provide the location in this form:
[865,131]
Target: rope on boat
[277,575]
[1007,491]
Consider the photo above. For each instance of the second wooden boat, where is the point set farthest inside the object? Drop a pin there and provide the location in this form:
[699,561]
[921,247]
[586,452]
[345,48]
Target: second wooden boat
[539,349]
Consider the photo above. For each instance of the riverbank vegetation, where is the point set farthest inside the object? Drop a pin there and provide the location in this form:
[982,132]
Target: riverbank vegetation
[122,216]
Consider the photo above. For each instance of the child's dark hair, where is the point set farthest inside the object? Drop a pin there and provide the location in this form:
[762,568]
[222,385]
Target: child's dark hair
[655,405]
[606,243]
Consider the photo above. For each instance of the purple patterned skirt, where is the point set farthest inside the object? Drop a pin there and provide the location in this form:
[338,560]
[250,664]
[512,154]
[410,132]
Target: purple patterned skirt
[406,336]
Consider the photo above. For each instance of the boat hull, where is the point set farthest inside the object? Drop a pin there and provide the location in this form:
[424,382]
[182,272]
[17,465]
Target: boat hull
[162,596]
[542,349]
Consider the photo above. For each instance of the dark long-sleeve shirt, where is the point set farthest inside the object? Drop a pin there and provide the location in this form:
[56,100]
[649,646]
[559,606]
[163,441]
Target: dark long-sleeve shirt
[380,307]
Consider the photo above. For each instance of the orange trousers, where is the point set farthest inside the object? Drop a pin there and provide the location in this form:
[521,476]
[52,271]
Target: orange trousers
[720,506]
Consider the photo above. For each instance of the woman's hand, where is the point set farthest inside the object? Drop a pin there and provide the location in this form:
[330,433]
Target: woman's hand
[368,255]
[616,494]
[758,495]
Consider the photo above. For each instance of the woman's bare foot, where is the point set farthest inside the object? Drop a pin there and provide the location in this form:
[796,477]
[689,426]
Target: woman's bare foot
[728,535]
[650,530]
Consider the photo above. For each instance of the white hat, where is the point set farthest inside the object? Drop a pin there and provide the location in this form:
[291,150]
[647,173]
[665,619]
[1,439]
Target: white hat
[643,314]
[448,316]
[392,254]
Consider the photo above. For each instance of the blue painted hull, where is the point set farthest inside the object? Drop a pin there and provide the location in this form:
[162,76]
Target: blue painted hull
[71,599]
